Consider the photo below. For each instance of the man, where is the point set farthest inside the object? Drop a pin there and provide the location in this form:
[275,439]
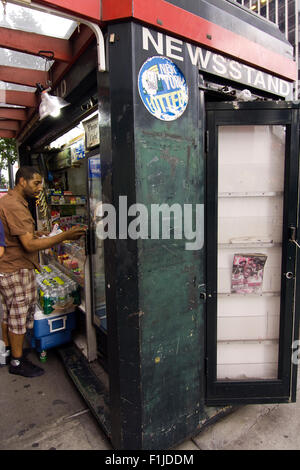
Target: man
[18,290]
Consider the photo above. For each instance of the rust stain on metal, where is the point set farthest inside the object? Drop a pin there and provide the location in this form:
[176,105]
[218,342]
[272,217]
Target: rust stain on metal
[174,161]
[139,314]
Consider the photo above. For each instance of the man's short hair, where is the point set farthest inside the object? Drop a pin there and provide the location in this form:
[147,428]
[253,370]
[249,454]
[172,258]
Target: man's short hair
[26,172]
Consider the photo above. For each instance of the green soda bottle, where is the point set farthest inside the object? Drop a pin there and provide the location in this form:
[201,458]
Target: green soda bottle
[43,356]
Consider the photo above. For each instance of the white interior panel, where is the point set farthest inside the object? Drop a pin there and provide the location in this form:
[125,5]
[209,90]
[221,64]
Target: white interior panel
[244,328]
[232,226]
[247,360]
[250,218]
[248,153]
[256,206]
[256,305]
[247,371]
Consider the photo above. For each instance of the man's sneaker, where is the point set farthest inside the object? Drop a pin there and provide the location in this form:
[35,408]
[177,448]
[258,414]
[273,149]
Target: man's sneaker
[5,356]
[25,368]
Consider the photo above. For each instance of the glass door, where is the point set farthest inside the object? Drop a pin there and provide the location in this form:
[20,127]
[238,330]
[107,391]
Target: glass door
[96,243]
[252,203]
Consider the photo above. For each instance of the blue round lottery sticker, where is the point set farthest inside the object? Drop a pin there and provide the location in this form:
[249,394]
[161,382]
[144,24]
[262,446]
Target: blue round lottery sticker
[163,88]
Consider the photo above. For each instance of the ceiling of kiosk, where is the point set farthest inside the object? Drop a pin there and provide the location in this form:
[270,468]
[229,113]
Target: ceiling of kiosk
[25,35]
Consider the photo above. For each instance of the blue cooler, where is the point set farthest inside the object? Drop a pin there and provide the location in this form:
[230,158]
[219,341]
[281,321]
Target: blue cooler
[52,330]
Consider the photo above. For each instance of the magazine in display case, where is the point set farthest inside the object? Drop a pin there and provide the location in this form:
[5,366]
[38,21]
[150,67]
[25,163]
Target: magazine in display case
[247,273]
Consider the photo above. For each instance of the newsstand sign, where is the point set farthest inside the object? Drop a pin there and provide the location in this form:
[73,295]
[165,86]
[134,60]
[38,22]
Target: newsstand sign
[216,64]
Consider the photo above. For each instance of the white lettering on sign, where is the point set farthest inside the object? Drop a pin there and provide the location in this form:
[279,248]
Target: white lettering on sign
[219,64]
[170,47]
[216,64]
[235,70]
[158,45]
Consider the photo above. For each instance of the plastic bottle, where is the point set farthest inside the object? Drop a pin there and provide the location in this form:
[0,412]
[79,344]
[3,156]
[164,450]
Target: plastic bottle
[43,356]
[48,302]
[62,296]
[54,296]
[46,296]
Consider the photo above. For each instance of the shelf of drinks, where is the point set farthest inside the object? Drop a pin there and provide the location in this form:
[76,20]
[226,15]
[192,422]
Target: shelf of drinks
[68,204]
[53,260]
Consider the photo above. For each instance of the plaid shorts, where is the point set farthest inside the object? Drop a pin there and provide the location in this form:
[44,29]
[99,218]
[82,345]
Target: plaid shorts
[18,294]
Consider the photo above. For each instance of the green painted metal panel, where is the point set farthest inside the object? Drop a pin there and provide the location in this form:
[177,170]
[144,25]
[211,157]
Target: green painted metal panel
[169,166]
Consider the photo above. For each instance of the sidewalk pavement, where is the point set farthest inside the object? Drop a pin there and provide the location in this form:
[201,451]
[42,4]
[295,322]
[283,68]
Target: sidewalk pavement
[47,412]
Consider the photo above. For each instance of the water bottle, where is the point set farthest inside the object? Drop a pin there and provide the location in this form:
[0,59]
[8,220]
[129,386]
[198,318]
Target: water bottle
[55,296]
[62,298]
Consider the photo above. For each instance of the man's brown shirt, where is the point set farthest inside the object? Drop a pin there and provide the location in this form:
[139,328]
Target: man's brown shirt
[17,220]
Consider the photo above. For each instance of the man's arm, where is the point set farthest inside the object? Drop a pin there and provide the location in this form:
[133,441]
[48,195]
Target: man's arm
[32,244]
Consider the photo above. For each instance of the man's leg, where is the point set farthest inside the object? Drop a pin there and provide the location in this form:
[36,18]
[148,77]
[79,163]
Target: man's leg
[5,337]
[4,322]
[16,344]
[19,317]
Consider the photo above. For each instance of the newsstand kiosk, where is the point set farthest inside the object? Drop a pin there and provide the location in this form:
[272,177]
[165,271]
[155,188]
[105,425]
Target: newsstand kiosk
[198,128]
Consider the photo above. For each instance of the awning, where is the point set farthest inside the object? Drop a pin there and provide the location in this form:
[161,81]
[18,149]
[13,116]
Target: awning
[35,47]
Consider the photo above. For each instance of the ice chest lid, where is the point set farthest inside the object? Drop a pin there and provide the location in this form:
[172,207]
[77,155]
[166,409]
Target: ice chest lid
[39,314]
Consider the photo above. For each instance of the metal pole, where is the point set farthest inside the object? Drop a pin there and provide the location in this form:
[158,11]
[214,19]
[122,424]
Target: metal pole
[11,176]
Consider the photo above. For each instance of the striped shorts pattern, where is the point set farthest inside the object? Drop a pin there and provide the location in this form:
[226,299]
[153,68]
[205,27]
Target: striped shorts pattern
[18,294]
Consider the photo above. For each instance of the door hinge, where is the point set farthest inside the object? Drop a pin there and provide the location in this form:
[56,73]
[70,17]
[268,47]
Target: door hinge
[293,235]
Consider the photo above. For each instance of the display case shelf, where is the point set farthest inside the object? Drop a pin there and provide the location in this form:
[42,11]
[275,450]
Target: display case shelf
[250,194]
[236,294]
[249,245]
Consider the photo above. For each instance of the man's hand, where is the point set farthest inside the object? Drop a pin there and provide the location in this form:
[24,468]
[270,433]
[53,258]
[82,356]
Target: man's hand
[75,232]
[32,244]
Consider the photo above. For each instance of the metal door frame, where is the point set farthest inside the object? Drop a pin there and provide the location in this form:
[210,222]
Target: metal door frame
[220,392]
